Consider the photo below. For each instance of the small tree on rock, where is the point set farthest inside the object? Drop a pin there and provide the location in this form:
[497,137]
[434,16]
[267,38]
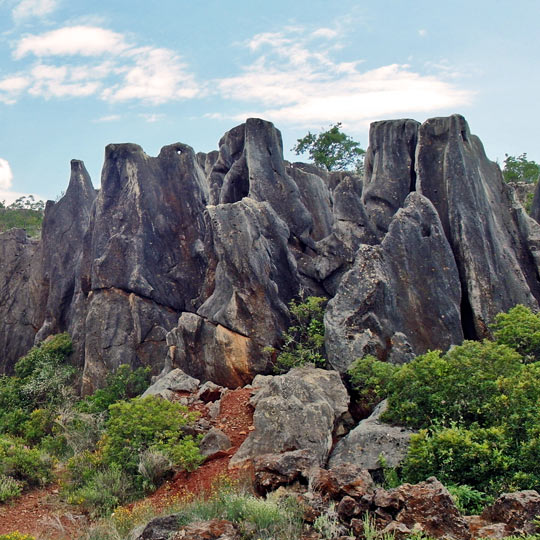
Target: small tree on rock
[332,150]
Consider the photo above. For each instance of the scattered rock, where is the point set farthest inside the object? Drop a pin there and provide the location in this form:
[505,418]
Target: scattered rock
[370,440]
[174,381]
[517,510]
[214,443]
[274,470]
[344,480]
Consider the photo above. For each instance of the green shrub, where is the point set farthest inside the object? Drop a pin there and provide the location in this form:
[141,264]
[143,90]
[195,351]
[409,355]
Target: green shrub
[124,384]
[519,329]
[468,500]
[461,386]
[370,378]
[303,342]
[30,466]
[9,488]
[148,423]
[107,489]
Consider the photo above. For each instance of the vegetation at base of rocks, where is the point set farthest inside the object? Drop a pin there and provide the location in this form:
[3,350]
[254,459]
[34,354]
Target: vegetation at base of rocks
[117,446]
[520,169]
[118,470]
[332,150]
[468,500]
[124,383]
[272,518]
[477,408]
[24,213]
[303,342]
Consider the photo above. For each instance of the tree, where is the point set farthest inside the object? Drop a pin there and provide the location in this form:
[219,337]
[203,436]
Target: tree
[520,169]
[332,149]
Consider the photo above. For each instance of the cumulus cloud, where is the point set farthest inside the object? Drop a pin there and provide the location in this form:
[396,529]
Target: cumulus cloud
[296,82]
[72,40]
[6,176]
[69,62]
[34,8]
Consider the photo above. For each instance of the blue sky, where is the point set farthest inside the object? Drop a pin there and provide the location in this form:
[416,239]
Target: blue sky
[75,76]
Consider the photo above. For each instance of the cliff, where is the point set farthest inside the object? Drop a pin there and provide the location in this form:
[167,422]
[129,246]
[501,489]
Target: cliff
[189,260]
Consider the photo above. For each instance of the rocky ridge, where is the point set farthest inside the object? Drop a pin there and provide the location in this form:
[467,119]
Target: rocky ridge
[189,260]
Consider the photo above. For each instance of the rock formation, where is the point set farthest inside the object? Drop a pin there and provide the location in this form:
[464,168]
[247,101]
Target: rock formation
[189,260]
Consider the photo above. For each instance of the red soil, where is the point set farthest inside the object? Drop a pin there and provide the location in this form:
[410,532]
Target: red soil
[41,512]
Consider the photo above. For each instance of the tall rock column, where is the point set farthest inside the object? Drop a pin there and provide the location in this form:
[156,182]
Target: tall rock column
[494,244]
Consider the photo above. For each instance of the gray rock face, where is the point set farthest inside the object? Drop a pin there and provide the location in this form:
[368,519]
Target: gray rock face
[401,297]
[372,438]
[65,224]
[214,442]
[497,264]
[389,169]
[17,301]
[191,260]
[295,411]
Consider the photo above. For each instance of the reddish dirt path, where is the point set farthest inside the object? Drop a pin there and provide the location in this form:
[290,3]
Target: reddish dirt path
[41,513]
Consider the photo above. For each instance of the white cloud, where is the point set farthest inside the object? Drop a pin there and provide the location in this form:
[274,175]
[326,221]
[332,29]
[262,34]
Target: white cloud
[156,76]
[11,87]
[108,118]
[293,82]
[327,33]
[150,74]
[72,40]
[422,32]
[6,176]
[33,8]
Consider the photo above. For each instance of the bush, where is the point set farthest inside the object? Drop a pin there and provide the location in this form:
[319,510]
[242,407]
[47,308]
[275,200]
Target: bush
[468,500]
[30,466]
[370,378]
[303,342]
[9,488]
[463,385]
[519,329]
[124,384]
[148,423]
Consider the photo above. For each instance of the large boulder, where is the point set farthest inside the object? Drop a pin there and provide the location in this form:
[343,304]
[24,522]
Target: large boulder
[371,439]
[497,262]
[295,411]
[401,297]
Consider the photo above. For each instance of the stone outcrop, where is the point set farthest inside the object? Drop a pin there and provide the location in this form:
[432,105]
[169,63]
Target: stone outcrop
[296,411]
[18,312]
[498,264]
[371,439]
[189,261]
[385,301]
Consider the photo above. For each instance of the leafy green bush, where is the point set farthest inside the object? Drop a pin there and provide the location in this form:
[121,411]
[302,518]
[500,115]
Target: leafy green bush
[370,378]
[30,466]
[124,384]
[40,380]
[469,501]
[303,342]
[463,385]
[519,329]
[149,423]
[9,488]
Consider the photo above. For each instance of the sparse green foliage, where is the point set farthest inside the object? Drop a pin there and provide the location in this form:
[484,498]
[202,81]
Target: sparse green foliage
[469,501]
[124,383]
[370,378]
[332,150]
[520,169]
[303,342]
